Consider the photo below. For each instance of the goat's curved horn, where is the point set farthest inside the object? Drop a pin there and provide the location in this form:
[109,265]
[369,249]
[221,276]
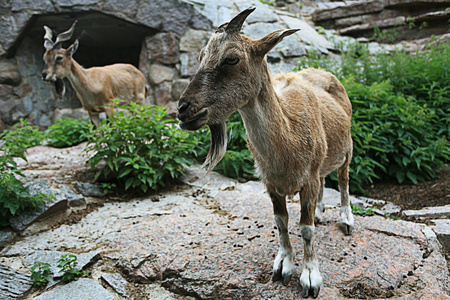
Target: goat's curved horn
[236,23]
[48,43]
[66,35]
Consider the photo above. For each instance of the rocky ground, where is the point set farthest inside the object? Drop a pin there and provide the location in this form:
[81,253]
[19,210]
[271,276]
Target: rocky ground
[207,237]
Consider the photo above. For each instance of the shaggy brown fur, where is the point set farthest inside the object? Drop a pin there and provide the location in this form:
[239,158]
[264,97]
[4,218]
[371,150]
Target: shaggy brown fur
[297,125]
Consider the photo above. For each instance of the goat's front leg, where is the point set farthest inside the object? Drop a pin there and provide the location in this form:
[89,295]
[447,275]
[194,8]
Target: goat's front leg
[310,280]
[283,265]
[95,118]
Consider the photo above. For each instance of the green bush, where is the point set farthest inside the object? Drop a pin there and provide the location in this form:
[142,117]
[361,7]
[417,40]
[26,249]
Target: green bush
[141,147]
[68,266]
[40,272]
[68,132]
[14,197]
[401,110]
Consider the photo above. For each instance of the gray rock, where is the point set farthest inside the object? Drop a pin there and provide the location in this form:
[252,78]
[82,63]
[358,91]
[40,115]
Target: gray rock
[259,30]
[390,208]
[89,189]
[5,237]
[9,74]
[84,288]
[73,198]
[11,111]
[193,40]
[262,13]
[189,64]
[162,48]
[117,282]
[178,86]
[13,284]
[344,10]
[442,230]
[428,213]
[162,94]
[159,73]
[62,196]
[155,14]
[72,3]
[307,33]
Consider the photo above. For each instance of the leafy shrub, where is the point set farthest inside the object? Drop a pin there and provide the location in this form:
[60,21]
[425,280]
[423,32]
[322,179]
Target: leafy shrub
[39,273]
[28,135]
[141,147]
[14,197]
[401,110]
[67,264]
[68,132]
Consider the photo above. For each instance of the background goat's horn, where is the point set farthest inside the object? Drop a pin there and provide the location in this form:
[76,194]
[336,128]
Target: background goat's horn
[48,43]
[65,36]
[236,23]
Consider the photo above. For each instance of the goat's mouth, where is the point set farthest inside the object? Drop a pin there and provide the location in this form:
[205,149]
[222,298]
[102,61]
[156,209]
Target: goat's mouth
[196,122]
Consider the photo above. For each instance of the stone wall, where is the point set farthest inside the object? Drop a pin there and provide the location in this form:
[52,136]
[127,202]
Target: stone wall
[169,35]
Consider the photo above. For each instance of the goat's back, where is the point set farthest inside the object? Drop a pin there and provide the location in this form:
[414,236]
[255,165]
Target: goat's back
[120,81]
[327,102]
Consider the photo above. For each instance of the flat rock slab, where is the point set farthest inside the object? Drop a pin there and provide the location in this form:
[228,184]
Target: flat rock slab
[442,230]
[84,288]
[221,244]
[13,284]
[428,212]
[217,240]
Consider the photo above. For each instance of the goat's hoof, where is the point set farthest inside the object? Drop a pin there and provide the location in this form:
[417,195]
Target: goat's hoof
[283,268]
[346,229]
[310,281]
[317,220]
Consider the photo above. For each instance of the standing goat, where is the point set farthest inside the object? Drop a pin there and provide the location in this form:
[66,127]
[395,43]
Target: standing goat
[297,125]
[96,86]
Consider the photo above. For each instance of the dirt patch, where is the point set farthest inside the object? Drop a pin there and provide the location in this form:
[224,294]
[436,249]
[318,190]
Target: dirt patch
[435,192]
[362,291]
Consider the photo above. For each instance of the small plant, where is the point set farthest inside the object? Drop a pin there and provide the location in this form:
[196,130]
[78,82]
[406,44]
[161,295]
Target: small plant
[270,3]
[14,197]
[39,273]
[358,210]
[141,147]
[67,264]
[29,135]
[68,132]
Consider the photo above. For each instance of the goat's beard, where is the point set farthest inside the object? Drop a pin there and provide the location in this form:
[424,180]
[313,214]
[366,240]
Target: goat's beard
[218,145]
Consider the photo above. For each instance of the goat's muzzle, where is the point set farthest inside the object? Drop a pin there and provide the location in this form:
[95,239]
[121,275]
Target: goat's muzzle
[189,120]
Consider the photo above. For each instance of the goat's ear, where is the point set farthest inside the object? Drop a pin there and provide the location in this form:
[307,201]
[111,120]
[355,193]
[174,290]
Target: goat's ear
[73,48]
[265,44]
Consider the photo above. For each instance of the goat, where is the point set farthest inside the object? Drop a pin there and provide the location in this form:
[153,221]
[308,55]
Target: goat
[297,127]
[96,86]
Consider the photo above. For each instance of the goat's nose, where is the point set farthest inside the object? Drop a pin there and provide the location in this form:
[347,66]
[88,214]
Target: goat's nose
[183,107]
[44,75]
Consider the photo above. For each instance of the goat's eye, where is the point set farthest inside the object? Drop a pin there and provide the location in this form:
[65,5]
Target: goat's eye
[231,60]
[58,58]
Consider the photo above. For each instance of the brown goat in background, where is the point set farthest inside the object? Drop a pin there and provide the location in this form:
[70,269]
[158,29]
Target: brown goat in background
[297,125]
[96,86]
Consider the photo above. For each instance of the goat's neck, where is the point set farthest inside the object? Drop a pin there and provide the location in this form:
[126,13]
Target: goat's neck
[78,78]
[263,116]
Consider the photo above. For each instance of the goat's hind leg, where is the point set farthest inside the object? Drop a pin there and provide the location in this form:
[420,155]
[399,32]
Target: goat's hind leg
[320,207]
[283,265]
[346,215]
[310,280]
